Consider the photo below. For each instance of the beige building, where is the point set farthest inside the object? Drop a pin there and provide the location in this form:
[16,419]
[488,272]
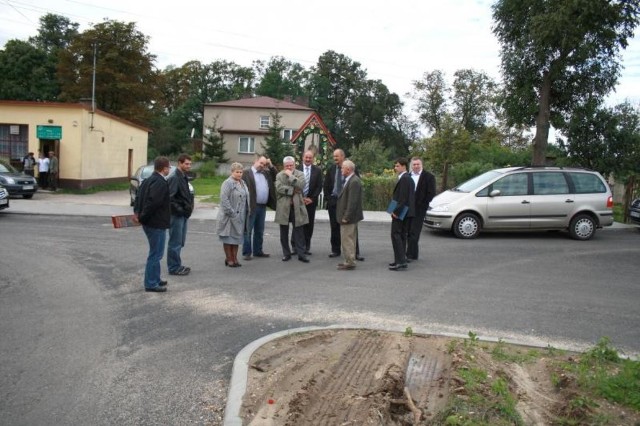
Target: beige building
[92,147]
[244,124]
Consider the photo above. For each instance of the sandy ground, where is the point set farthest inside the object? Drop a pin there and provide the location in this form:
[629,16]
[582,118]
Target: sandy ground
[364,377]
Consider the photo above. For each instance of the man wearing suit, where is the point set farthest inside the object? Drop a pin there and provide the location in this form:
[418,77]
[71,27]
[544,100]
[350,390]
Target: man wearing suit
[332,186]
[425,184]
[312,189]
[349,213]
[403,194]
[262,194]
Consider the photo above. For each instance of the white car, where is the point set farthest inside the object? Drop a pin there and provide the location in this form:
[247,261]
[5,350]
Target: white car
[525,198]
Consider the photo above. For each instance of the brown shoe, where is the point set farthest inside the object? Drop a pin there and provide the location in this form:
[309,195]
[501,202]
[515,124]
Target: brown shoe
[346,267]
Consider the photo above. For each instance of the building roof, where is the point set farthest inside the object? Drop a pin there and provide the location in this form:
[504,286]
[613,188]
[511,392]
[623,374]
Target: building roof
[263,102]
[80,105]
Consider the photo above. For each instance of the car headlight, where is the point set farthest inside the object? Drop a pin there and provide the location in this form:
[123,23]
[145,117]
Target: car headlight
[7,180]
[440,208]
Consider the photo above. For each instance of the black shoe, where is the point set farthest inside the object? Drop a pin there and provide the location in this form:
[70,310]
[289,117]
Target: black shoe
[333,254]
[393,264]
[307,253]
[286,258]
[398,267]
[157,289]
[163,283]
[360,258]
[261,255]
[303,259]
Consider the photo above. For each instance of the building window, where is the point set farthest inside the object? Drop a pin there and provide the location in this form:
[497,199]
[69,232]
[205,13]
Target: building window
[246,145]
[287,134]
[265,121]
[14,141]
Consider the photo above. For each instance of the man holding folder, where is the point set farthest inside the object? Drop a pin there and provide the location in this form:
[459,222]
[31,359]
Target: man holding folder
[401,209]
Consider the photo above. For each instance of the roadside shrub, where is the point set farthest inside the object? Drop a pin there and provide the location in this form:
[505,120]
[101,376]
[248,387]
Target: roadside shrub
[378,191]
[207,169]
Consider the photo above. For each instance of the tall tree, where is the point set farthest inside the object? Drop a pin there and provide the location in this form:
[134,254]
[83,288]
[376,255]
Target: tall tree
[277,147]
[56,33]
[26,73]
[126,80]
[280,78]
[557,53]
[473,97]
[431,93]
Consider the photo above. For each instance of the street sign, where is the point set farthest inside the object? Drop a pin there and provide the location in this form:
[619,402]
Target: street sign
[49,132]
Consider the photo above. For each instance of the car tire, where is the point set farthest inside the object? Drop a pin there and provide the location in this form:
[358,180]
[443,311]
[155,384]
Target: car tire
[27,196]
[467,226]
[582,227]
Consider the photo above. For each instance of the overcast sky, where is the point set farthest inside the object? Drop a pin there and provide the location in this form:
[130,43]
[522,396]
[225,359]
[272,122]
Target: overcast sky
[394,41]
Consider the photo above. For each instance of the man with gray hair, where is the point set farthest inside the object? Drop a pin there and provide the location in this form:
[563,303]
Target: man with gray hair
[290,208]
[349,213]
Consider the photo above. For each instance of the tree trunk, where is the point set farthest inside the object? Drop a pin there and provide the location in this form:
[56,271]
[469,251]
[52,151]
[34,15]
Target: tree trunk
[542,122]
[445,176]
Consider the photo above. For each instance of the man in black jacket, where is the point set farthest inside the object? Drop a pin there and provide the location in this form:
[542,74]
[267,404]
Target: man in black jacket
[153,210]
[312,189]
[425,184]
[181,209]
[403,195]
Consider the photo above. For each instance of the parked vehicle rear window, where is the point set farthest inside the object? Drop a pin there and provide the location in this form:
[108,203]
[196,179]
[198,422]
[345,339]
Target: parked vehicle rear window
[587,183]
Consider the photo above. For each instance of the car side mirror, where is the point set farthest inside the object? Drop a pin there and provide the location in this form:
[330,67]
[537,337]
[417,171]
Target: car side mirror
[494,193]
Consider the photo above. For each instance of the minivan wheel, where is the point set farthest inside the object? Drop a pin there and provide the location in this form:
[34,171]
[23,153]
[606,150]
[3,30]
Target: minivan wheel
[582,227]
[467,225]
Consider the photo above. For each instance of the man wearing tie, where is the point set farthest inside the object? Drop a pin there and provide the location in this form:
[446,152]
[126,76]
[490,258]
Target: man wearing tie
[310,193]
[403,195]
[425,184]
[332,185]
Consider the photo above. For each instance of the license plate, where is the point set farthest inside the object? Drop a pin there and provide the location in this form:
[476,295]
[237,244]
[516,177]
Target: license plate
[634,214]
[27,187]
[4,201]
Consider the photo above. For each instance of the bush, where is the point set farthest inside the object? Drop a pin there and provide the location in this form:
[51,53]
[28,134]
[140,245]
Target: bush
[378,191]
[207,169]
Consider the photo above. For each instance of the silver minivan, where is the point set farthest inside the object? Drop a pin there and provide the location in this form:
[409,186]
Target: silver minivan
[525,198]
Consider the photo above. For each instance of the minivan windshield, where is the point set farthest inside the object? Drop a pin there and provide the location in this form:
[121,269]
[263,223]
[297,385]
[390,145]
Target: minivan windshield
[477,182]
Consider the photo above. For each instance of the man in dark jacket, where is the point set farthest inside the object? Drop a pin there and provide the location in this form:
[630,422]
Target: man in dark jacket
[153,210]
[425,184]
[403,196]
[312,189]
[262,194]
[181,209]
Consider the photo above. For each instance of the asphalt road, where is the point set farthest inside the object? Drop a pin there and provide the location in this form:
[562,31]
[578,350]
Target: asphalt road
[82,343]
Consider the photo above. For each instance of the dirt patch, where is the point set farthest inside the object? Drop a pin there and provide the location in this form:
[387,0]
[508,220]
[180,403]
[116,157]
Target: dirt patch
[364,377]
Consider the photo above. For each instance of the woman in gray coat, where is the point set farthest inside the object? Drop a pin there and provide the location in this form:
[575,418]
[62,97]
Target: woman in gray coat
[232,214]
[290,208]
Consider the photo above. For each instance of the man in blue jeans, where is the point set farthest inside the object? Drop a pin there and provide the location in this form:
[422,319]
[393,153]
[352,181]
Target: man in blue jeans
[262,194]
[153,211]
[181,209]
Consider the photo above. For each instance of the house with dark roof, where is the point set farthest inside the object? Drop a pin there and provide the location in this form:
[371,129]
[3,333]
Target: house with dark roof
[244,125]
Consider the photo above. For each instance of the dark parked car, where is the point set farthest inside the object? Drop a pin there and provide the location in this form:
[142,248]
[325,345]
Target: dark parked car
[634,211]
[17,183]
[4,198]
[144,172]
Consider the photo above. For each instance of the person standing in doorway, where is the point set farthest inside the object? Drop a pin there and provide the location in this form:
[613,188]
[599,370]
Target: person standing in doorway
[28,164]
[54,168]
[349,213]
[43,171]
[403,195]
[181,209]
[291,209]
[425,184]
[262,194]
[153,210]
[332,185]
[310,194]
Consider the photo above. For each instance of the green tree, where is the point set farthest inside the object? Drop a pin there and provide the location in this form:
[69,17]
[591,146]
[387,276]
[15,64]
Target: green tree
[473,98]
[276,146]
[27,74]
[126,81]
[214,148]
[56,33]
[280,78]
[558,53]
[372,157]
[431,94]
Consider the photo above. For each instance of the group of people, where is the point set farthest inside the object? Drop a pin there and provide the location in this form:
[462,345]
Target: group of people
[48,169]
[293,193]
